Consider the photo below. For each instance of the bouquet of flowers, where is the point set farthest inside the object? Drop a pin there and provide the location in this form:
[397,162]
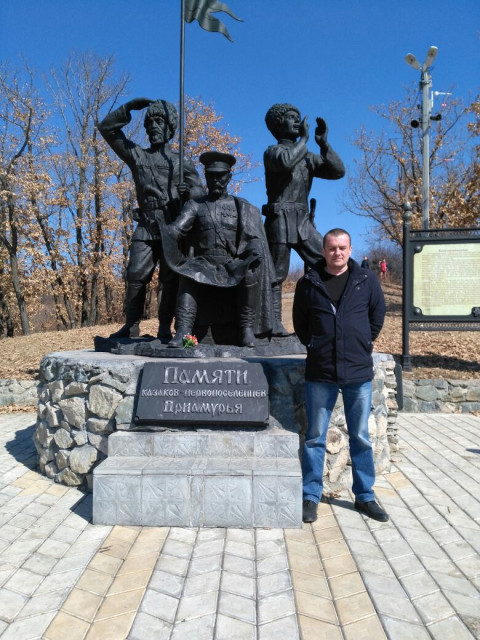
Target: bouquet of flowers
[189,341]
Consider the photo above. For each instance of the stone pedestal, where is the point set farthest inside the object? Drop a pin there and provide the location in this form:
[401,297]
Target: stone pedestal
[200,479]
[87,403]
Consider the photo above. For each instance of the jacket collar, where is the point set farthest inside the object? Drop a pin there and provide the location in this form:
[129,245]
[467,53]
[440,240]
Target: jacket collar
[354,269]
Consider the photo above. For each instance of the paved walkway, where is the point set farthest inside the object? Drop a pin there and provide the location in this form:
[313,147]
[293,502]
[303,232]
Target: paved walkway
[344,577]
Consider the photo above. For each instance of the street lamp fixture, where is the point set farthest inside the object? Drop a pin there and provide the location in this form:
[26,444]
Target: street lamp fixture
[427,103]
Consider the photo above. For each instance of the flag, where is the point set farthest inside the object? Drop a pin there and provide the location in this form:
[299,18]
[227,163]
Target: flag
[202,10]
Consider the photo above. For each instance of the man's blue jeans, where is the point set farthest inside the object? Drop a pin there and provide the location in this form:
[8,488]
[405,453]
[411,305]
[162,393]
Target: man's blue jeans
[320,398]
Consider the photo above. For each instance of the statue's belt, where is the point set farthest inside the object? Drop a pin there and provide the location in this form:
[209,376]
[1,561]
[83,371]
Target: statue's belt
[283,207]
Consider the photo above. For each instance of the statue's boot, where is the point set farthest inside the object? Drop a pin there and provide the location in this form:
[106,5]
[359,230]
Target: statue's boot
[135,302]
[247,304]
[185,314]
[166,310]
[278,328]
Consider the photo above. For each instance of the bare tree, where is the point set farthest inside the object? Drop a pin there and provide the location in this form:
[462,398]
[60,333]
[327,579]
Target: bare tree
[81,89]
[388,170]
[21,115]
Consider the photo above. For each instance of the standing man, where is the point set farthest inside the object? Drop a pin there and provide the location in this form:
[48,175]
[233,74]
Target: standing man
[289,171]
[155,172]
[338,311]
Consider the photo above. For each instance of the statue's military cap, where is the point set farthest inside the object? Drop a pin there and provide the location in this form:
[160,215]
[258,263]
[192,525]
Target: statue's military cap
[216,161]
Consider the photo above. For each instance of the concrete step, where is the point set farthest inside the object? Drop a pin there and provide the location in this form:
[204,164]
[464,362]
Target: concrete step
[264,443]
[198,491]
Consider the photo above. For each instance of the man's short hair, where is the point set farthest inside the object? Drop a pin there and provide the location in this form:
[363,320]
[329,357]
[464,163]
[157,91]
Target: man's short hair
[166,109]
[275,115]
[337,232]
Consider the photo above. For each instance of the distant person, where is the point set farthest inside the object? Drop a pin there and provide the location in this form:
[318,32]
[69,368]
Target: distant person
[338,311]
[383,269]
[365,263]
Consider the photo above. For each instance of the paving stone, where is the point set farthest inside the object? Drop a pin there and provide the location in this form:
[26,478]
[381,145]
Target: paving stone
[197,606]
[272,564]
[199,565]
[230,629]
[237,607]
[367,628]
[59,581]
[129,582]
[64,626]
[401,630]
[273,583]
[315,606]
[167,583]
[311,628]
[456,583]
[120,604]
[246,536]
[383,585]
[234,564]
[202,583]
[241,549]
[433,607]
[147,626]
[82,604]
[419,584]
[238,584]
[276,606]
[209,548]
[465,606]
[201,628]
[28,628]
[177,566]
[400,608]
[450,628]
[10,604]
[44,603]
[111,628]
[459,550]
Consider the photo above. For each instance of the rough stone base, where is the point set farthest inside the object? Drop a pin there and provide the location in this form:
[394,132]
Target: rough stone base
[438,395]
[22,393]
[85,397]
[200,479]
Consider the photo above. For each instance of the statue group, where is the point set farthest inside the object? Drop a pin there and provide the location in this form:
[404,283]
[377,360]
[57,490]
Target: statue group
[221,269]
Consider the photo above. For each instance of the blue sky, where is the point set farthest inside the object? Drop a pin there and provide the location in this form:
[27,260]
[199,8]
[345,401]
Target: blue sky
[331,59]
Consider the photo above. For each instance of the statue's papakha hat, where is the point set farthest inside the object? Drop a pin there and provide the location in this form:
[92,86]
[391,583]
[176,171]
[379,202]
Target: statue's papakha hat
[216,161]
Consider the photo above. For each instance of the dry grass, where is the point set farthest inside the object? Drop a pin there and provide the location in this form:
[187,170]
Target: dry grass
[435,354]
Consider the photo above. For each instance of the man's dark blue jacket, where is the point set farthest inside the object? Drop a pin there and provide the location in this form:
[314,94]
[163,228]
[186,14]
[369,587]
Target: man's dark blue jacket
[339,340]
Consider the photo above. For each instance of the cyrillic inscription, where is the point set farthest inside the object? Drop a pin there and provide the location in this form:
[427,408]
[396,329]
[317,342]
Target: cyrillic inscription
[214,392]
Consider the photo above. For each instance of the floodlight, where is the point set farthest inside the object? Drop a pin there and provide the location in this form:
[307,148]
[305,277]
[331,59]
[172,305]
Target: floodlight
[412,61]
[431,54]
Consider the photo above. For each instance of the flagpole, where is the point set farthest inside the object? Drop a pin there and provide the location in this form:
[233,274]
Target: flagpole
[182,67]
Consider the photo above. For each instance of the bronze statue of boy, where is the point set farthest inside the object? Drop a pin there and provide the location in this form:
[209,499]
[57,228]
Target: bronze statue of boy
[289,171]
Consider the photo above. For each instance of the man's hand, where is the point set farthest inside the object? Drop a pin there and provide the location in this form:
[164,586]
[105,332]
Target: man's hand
[321,133]
[304,129]
[184,190]
[138,103]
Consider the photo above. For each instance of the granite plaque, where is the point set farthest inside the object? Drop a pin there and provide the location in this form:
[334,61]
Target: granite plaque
[216,392]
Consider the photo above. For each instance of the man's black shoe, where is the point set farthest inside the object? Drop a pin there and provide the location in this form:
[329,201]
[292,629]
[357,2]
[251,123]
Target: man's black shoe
[309,511]
[372,510]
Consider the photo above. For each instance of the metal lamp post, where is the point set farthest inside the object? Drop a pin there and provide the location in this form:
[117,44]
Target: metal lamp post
[425,85]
